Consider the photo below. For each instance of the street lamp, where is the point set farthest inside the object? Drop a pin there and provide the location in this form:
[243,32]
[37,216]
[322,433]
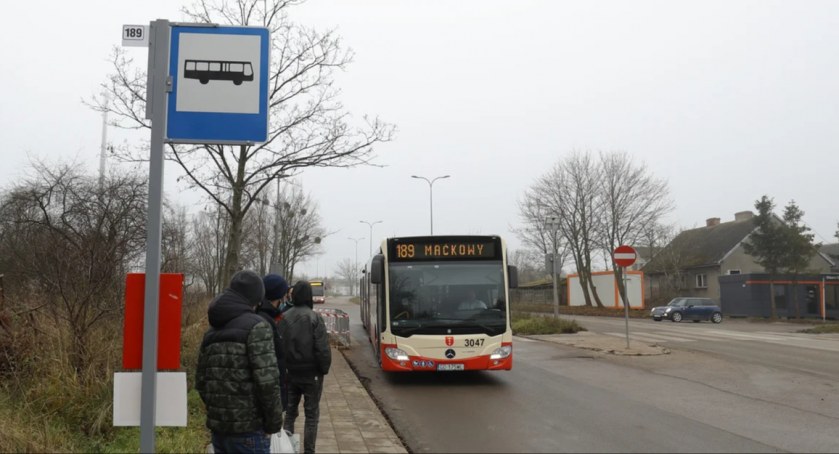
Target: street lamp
[355,269]
[430,196]
[371,233]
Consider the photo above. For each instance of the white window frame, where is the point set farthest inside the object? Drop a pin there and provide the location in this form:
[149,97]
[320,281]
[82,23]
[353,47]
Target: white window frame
[701,281]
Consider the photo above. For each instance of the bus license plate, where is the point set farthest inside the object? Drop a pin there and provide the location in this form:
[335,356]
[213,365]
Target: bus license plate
[450,367]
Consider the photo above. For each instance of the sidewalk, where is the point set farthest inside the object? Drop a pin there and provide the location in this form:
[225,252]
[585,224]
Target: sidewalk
[602,343]
[349,419]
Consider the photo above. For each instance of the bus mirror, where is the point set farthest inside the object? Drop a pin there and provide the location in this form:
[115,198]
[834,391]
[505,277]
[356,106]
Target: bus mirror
[513,276]
[377,270]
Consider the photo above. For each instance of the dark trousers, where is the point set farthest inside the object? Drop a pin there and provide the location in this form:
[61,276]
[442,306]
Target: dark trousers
[309,390]
[284,388]
[246,443]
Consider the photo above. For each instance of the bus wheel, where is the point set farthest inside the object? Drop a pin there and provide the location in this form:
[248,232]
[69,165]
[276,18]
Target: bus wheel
[204,81]
[237,82]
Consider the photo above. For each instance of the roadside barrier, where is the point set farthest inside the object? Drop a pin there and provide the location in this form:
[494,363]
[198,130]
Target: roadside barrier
[337,325]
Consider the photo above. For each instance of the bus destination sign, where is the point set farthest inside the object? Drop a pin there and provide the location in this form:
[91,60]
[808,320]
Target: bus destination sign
[443,249]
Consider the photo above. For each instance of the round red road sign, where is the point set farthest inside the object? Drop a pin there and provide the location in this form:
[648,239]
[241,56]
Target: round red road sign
[624,255]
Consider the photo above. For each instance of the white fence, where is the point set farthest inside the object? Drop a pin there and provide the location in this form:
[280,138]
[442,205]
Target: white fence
[337,325]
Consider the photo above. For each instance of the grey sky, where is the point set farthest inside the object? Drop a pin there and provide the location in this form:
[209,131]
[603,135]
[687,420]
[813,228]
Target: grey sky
[725,100]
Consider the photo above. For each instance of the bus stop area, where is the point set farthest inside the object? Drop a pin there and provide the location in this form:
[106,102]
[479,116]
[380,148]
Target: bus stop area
[349,419]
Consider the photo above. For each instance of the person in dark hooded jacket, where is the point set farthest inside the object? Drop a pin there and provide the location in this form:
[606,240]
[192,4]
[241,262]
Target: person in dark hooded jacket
[272,308]
[237,376]
[308,358]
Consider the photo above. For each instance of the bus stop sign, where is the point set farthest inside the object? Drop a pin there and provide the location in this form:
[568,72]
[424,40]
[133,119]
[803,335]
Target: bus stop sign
[624,255]
[219,82]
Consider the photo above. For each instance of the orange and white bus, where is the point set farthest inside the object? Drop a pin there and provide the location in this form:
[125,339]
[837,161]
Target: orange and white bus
[439,303]
[318,291]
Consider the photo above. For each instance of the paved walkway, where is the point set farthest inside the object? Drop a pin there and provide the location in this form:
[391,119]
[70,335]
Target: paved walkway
[349,419]
[603,343]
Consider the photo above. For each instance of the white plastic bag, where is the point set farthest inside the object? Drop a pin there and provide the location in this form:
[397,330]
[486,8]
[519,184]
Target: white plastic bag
[281,443]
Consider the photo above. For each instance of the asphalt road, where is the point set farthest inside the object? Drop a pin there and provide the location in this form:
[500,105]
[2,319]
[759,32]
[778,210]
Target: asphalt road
[778,345]
[562,399]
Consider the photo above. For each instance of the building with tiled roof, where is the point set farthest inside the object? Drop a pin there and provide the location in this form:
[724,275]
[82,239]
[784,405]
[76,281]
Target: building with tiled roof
[693,262]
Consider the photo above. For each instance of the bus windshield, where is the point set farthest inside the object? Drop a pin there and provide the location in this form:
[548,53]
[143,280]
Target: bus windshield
[447,298]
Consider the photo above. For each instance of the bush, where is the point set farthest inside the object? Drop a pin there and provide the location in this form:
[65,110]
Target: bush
[524,323]
[822,329]
[580,310]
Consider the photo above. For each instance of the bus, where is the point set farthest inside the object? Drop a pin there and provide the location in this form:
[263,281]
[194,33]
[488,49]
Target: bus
[439,303]
[318,291]
[207,70]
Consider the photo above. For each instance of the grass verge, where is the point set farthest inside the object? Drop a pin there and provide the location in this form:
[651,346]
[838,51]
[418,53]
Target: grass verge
[580,310]
[525,323]
[828,328]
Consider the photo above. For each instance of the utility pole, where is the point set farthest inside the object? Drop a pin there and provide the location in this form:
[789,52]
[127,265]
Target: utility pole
[104,145]
[355,266]
[275,247]
[552,225]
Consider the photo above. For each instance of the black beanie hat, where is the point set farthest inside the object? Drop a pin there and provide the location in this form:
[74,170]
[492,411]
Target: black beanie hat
[275,286]
[248,284]
[302,294]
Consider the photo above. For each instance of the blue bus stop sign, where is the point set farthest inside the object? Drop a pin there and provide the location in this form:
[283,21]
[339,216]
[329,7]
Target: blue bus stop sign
[219,85]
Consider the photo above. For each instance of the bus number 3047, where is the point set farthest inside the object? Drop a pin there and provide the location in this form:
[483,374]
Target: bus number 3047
[474,342]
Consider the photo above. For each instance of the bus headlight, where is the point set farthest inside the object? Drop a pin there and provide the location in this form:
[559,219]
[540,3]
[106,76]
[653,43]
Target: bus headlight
[501,352]
[396,354]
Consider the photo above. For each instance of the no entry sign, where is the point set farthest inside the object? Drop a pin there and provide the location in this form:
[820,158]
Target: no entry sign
[624,255]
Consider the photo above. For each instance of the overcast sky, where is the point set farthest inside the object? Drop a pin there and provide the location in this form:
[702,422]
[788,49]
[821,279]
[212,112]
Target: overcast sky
[725,100]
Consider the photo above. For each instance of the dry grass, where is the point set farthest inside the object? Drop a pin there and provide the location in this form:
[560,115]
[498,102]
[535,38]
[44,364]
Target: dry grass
[580,310]
[49,405]
[827,328]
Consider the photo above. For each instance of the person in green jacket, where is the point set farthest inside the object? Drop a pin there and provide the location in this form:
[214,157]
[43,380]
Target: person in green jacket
[237,376]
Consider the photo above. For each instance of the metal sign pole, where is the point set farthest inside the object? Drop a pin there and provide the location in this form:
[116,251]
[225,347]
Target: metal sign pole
[157,89]
[625,305]
[824,308]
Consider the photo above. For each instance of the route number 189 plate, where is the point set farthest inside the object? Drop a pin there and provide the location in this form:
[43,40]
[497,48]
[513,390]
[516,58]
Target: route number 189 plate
[135,35]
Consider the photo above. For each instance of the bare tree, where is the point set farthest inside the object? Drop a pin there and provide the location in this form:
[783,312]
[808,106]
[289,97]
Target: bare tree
[348,271]
[632,202]
[67,240]
[175,251]
[530,264]
[308,124]
[300,231]
[569,192]
[536,234]
[209,230]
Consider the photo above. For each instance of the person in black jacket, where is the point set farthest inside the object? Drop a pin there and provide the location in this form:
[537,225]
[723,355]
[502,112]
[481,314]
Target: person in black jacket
[308,357]
[237,375]
[272,308]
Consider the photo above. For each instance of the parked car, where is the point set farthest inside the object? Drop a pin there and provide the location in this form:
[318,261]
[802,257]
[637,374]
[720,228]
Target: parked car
[688,308]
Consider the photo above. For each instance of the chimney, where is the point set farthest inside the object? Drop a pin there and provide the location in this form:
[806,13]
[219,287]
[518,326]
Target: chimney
[743,215]
[710,222]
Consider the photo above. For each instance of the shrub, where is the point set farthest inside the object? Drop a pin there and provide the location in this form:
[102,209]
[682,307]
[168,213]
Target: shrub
[524,323]
[822,329]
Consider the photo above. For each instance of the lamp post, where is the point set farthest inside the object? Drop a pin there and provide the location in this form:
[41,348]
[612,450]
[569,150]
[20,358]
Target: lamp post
[371,224]
[355,267]
[552,225]
[430,196]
